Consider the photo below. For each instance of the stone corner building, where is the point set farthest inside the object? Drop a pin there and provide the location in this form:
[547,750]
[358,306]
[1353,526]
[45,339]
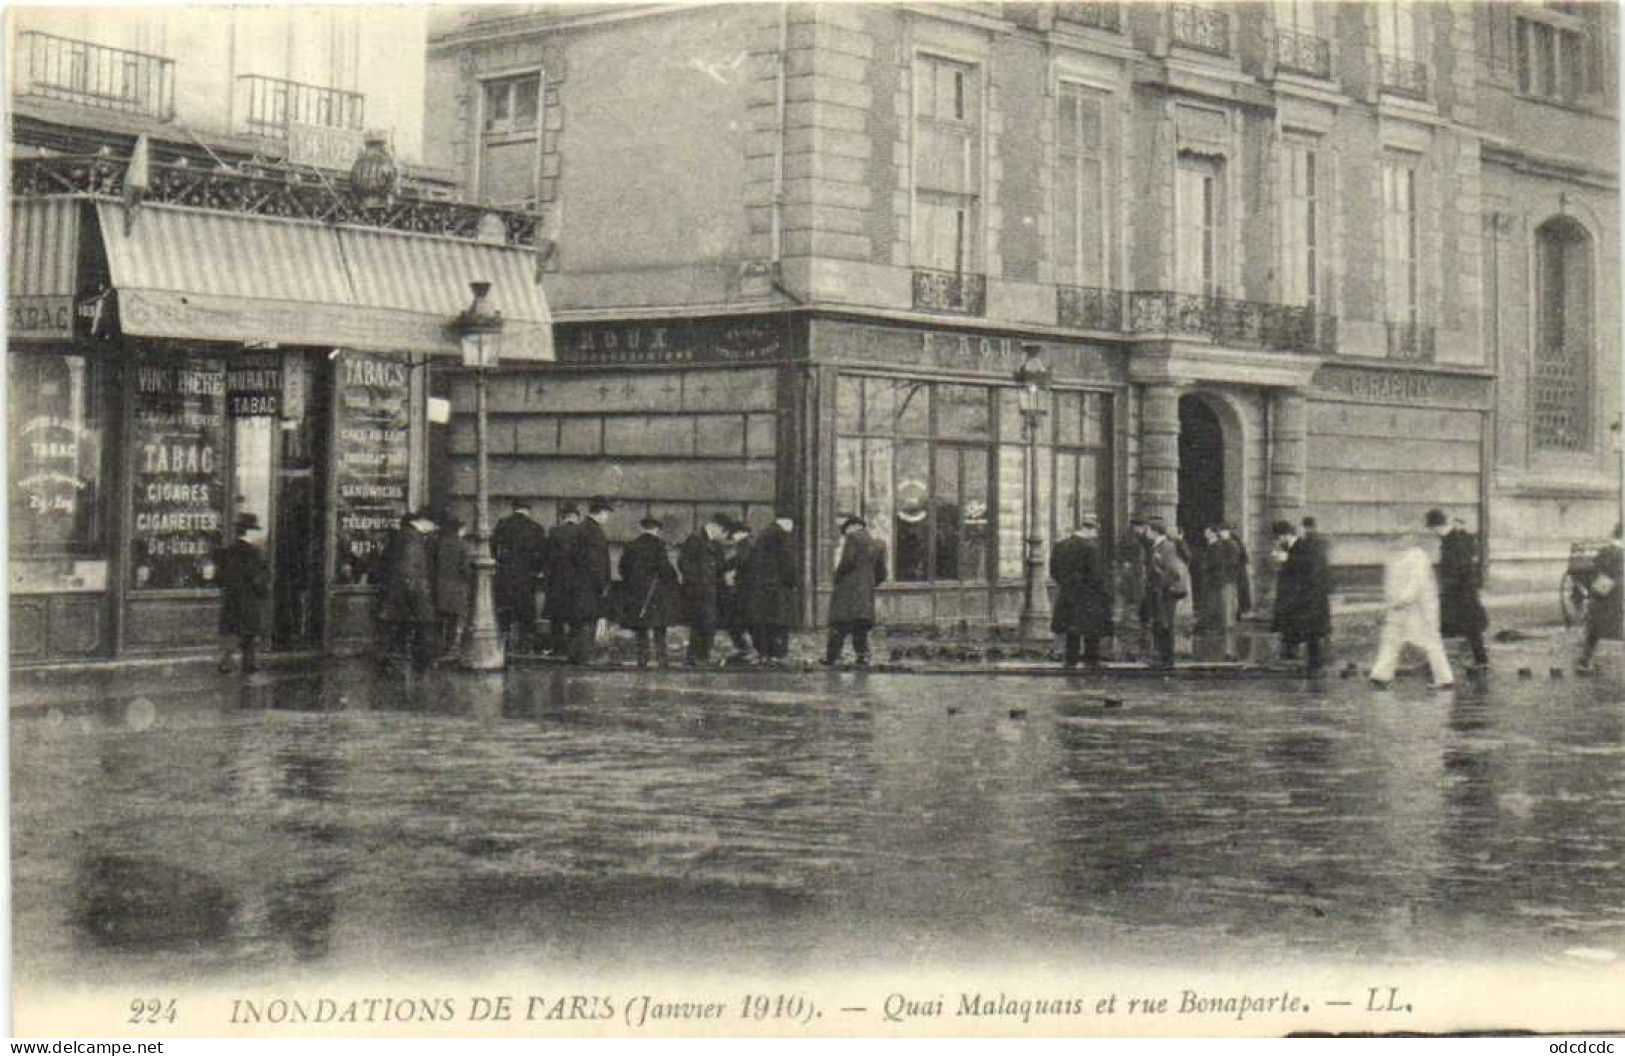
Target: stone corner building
[1348,259]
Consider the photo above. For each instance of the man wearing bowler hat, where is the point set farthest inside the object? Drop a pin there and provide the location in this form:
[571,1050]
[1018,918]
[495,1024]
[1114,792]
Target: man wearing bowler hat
[519,546]
[860,568]
[1083,604]
[767,582]
[245,584]
[648,591]
[589,582]
[560,561]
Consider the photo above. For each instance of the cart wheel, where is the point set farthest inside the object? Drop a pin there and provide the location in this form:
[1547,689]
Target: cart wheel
[1572,597]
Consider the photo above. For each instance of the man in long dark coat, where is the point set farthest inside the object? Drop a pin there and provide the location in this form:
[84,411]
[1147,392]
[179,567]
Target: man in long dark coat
[768,581]
[519,545]
[453,582]
[1605,615]
[1083,604]
[560,569]
[648,590]
[858,571]
[406,598]
[589,582]
[731,615]
[699,563]
[1461,610]
[244,580]
[1303,605]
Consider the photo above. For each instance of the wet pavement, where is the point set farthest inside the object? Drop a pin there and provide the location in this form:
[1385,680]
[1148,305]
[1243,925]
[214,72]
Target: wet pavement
[347,818]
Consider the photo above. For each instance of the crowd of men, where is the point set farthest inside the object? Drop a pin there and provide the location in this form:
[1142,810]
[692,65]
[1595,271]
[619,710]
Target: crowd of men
[729,578]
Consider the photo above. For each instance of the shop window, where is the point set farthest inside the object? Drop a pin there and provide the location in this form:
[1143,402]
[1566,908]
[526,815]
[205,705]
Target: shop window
[57,421]
[1562,367]
[1082,460]
[179,480]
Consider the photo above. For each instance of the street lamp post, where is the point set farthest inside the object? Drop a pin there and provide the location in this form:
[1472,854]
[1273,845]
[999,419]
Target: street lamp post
[1033,377]
[479,328]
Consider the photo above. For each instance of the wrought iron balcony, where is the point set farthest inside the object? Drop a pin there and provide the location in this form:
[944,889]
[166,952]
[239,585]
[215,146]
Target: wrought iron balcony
[78,71]
[1203,28]
[1095,14]
[267,190]
[1410,341]
[952,292]
[1303,53]
[1225,321]
[1401,76]
[270,104]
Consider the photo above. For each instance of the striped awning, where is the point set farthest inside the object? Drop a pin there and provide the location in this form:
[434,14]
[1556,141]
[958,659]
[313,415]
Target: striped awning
[192,273]
[42,268]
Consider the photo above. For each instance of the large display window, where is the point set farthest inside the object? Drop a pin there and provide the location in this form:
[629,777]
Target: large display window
[58,420]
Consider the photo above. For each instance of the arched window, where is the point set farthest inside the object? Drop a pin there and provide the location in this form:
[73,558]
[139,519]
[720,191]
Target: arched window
[1562,354]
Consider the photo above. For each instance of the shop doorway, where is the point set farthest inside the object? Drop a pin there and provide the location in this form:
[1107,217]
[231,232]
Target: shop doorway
[275,458]
[1201,467]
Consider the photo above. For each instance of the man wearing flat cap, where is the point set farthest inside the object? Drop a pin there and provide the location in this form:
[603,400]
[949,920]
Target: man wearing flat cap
[648,590]
[860,568]
[589,582]
[767,582]
[1083,603]
[560,563]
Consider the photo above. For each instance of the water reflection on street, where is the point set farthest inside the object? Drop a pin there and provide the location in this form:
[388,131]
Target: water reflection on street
[344,819]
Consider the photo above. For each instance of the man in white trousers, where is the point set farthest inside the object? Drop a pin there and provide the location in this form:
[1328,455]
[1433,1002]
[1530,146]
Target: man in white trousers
[1412,597]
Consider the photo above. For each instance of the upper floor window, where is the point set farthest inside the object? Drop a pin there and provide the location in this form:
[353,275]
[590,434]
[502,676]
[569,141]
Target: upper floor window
[1082,190]
[1303,250]
[510,154]
[947,165]
[1551,60]
[1400,241]
[1199,222]
[513,103]
[1562,367]
[1396,29]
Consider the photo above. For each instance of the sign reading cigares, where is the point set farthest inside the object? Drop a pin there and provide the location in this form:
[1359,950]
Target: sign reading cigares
[179,470]
[374,395]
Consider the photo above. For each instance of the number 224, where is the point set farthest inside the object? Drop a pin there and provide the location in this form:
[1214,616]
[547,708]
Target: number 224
[152,1010]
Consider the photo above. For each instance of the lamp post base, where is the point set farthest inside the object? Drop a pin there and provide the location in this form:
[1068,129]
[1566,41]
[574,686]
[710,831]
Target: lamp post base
[1035,607]
[484,650]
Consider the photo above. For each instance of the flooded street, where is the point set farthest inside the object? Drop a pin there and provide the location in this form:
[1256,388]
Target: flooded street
[344,820]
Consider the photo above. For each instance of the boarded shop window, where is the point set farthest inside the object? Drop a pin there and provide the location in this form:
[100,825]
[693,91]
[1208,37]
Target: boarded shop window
[1562,382]
[56,415]
[179,480]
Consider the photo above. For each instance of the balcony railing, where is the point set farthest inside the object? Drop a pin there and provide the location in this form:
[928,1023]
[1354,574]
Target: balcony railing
[1402,76]
[1202,28]
[1095,14]
[953,292]
[77,71]
[269,104]
[1225,321]
[1410,341]
[267,190]
[1303,53]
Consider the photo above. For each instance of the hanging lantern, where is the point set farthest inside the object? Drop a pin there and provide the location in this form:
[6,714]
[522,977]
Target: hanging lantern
[374,176]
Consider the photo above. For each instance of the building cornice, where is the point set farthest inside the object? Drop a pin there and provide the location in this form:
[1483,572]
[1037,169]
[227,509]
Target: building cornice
[520,27]
[1555,166]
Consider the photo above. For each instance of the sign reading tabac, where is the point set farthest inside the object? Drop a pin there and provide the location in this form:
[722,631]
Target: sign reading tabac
[322,146]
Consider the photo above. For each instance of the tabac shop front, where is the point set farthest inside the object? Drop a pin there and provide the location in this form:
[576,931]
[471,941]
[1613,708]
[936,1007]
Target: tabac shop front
[172,368]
